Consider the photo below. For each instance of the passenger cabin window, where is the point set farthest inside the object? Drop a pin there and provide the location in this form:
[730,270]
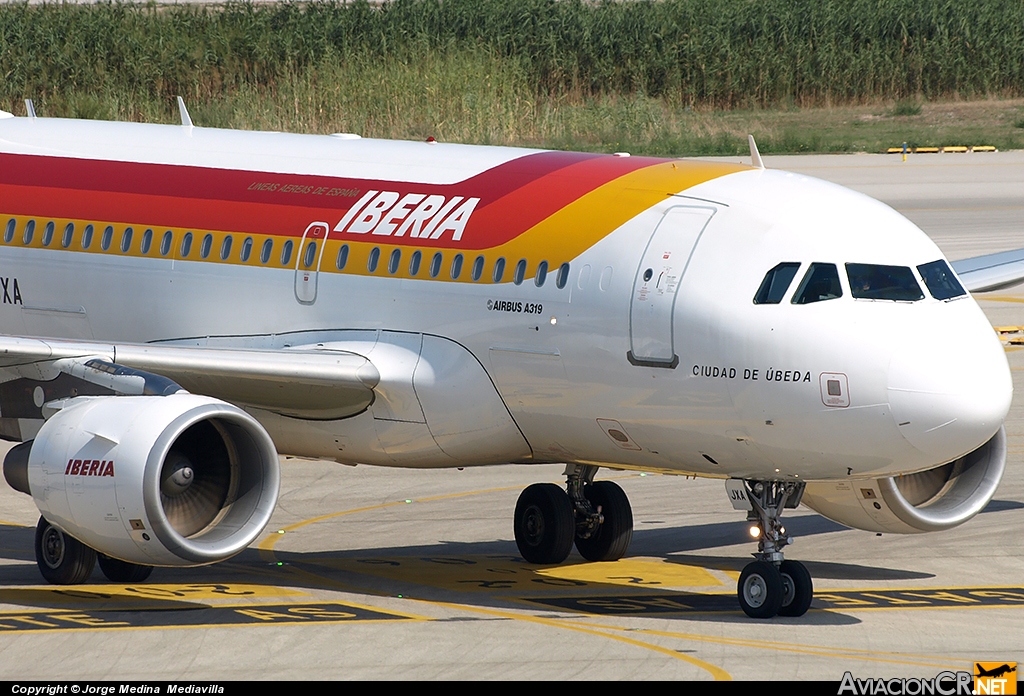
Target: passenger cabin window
[69,235]
[204,248]
[310,256]
[48,233]
[186,245]
[394,260]
[542,273]
[414,262]
[9,232]
[225,248]
[435,265]
[246,250]
[776,282]
[820,283]
[499,270]
[87,236]
[873,282]
[126,240]
[286,252]
[520,272]
[478,268]
[147,240]
[342,257]
[268,248]
[456,267]
[371,264]
[563,276]
[30,229]
[107,238]
[165,243]
[941,282]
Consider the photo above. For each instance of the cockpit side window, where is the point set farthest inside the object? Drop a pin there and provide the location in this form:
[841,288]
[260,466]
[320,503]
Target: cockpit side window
[873,282]
[820,283]
[941,282]
[775,284]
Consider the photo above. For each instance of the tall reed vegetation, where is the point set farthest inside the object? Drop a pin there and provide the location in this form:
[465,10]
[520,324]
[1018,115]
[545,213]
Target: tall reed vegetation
[497,71]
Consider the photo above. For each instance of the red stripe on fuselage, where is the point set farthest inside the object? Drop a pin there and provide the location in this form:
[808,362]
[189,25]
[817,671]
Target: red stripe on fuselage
[514,196]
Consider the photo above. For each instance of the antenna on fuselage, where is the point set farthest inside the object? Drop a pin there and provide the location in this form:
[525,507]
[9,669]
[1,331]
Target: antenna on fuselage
[30,108]
[186,120]
[755,156]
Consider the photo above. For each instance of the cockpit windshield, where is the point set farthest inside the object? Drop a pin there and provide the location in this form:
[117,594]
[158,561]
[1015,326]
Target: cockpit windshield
[821,282]
[873,282]
[941,282]
[776,283]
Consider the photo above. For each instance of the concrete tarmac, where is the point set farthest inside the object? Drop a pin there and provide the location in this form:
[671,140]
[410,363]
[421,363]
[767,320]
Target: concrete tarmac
[391,574]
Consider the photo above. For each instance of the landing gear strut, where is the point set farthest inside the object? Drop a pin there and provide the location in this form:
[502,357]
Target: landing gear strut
[770,585]
[594,515]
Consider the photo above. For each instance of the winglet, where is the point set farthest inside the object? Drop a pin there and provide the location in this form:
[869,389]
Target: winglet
[30,108]
[755,156]
[186,120]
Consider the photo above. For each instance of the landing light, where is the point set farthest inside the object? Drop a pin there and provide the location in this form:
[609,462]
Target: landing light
[755,531]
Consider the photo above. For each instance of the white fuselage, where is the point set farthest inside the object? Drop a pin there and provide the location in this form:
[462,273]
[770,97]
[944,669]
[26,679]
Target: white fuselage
[922,382]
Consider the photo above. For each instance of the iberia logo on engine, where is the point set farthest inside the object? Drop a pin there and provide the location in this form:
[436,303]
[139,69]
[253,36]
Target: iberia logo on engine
[89,467]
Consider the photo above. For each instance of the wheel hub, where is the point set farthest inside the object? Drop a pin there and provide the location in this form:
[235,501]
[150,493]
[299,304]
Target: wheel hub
[534,520]
[755,591]
[788,590]
[53,547]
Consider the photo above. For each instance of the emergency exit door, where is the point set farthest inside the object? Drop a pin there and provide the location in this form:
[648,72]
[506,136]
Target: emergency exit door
[307,264]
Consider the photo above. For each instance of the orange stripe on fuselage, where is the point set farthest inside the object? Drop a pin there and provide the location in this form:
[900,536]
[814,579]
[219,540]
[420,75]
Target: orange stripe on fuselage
[576,227]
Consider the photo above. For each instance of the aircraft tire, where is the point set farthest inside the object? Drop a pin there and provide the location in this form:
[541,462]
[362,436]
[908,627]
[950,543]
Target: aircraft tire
[611,540]
[760,590]
[63,560]
[122,571]
[544,524]
[797,589]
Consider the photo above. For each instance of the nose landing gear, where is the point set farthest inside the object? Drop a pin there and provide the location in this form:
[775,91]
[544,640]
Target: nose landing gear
[770,585]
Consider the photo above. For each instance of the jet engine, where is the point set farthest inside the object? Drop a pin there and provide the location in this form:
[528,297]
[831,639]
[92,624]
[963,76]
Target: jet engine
[927,501]
[176,480]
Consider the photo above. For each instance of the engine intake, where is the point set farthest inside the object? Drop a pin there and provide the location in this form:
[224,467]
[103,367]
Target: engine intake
[928,501]
[156,480]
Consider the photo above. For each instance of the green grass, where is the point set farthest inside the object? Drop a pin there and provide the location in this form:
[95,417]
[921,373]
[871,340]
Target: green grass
[906,107]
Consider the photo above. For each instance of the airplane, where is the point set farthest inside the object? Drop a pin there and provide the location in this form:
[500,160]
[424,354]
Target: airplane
[181,305]
[995,672]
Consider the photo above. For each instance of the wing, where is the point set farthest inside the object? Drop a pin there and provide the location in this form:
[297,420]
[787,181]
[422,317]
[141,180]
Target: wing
[323,384]
[416,388]
[992,271]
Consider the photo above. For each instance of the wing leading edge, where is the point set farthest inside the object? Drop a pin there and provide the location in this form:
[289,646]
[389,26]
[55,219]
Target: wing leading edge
[321,384]
[992,271]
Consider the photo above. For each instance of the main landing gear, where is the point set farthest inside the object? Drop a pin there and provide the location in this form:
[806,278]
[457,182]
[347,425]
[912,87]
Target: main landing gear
[596,516]
[770,585]
[64,560]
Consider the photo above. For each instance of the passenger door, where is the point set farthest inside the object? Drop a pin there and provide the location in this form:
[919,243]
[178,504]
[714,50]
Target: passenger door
[656,284]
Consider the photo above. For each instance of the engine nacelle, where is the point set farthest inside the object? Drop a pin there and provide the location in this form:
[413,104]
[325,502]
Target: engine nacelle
[175,480]
[928,501]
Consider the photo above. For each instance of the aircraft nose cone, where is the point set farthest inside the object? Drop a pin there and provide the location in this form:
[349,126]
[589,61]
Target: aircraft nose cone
[950,391]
